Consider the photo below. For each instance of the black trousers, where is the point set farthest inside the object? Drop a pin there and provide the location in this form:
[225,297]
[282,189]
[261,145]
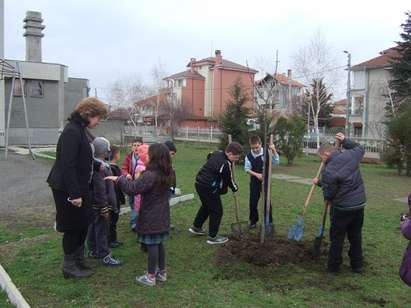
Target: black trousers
[211,208]
[97,240]
[73,240]
[255,193]
[346,223]
[112,235]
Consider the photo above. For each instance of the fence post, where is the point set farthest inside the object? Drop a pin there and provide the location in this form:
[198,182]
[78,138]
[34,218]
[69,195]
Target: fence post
[186,132]
[198,131]
[211,133]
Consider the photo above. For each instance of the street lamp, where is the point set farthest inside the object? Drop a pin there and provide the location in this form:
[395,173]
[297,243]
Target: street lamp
[348,108]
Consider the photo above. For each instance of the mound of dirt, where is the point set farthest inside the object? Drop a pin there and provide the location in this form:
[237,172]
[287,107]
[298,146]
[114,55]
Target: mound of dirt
[273,252]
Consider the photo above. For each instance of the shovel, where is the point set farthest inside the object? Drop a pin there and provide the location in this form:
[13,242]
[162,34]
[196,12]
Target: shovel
[237,227]
[296,232]
[318,240]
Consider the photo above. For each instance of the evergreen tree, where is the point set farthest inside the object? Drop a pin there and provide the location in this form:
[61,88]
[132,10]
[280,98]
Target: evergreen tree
[401,71]
[398,110]
[234,120]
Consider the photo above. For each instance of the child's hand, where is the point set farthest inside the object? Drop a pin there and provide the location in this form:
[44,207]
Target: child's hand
[111,178]
[272,148]
[259,176]
[315,181]
[128,176]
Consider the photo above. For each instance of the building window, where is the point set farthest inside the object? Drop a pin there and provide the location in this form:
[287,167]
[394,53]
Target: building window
[36,88]
[357,108]
[17,90]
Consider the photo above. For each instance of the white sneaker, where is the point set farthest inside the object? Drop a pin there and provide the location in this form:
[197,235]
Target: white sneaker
[146,280]
[218,239]
[161,276]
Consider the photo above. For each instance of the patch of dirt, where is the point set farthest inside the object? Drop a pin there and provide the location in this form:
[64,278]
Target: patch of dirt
[273,252]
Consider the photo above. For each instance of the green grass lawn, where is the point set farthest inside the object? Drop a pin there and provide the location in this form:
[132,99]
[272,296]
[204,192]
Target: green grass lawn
[195,280]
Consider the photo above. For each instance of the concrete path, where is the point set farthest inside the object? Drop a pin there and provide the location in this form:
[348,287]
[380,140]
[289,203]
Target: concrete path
[292,178]
[402,200]
[23,186]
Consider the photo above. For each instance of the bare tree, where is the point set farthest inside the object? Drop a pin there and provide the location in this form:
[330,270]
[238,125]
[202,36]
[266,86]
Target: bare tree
[317,99]
[158,73]
[318,61]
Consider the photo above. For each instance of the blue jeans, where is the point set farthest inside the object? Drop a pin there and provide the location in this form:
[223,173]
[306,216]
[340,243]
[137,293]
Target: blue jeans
[133,213]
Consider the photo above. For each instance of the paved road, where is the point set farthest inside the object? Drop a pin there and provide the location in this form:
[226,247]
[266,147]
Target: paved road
[23,187]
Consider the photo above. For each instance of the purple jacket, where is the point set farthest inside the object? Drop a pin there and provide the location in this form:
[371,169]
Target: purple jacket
[405,268]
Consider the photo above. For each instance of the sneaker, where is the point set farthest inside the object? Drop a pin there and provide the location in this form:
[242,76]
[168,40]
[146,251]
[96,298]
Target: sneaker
[197,231]
[218,239]
[109,260]
[161,276]
[147,280]
[92,255]
[252,226]
[115,244]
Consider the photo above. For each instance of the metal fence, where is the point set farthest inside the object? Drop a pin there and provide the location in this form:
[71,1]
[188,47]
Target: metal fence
[207,135]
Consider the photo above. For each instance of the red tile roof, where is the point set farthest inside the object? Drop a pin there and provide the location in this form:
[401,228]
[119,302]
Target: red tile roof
[119,114]
[340,107]
[381,61]
[283,79]
[226,64]
[186,74]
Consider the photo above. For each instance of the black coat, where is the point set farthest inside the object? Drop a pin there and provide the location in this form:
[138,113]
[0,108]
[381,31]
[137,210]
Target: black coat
[216,174]
[71,174]
[341,179]
[154,216]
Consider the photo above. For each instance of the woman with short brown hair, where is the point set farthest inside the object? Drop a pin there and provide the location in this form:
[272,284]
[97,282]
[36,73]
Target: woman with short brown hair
[69,180]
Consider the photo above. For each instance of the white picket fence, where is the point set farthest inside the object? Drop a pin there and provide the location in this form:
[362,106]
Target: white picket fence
[205,135]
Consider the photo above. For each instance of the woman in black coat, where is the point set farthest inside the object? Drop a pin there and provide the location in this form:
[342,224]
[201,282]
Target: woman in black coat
[69,180]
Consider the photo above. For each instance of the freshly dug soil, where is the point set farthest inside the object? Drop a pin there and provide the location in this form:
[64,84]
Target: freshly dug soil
[273,252]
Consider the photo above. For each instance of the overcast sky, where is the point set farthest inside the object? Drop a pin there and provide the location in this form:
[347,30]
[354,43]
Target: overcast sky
[106,40]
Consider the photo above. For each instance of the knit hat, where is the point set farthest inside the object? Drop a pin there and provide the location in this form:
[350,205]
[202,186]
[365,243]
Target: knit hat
[101,147]
[170,145]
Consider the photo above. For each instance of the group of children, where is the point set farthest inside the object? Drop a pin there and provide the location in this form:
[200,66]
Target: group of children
[109,182]
[147,176]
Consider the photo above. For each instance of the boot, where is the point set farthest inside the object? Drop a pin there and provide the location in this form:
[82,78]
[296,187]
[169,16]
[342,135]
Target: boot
[81,259]
[70,269]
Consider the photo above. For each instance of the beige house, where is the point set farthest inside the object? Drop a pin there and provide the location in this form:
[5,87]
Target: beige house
[369,95]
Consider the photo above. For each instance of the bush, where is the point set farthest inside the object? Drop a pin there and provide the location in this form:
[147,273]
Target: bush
[289,136]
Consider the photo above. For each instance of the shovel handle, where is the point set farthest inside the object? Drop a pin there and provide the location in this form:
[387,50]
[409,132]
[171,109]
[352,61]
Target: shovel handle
[324,217]
[236,203]
[307,201]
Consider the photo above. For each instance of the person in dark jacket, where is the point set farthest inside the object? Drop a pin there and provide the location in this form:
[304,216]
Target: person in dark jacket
[104,201]
[120,199]
[70,179]
[212,181]
[254,166]
[343,189]
[154,220]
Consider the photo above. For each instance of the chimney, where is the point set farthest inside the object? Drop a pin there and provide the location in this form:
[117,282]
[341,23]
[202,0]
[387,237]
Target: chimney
[218,57]
[33,26]
[289,74]
[1,29]
[192,62]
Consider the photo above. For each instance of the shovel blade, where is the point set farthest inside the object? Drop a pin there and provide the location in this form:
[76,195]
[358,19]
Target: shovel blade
[296,232]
